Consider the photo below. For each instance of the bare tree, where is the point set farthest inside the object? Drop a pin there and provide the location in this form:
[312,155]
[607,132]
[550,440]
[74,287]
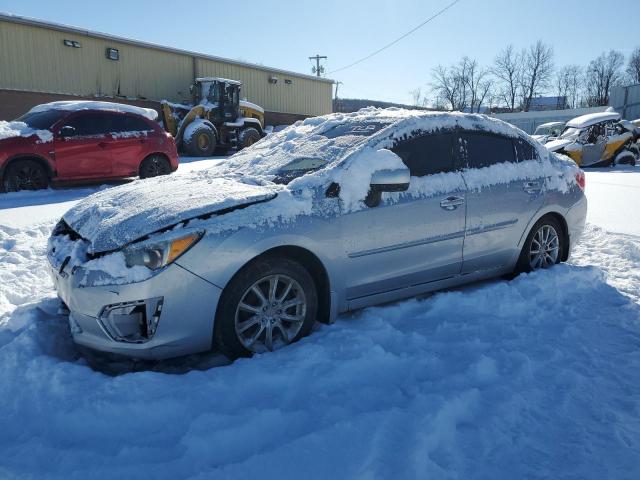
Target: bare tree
[507,67]
[448,86]
[463,85]
[476,81]
[568,83]
[537,69]
[633,67]
[419,99]
[603,73]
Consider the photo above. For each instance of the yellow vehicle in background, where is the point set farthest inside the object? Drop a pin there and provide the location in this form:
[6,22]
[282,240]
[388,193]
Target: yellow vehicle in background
[216,121]
[598,139]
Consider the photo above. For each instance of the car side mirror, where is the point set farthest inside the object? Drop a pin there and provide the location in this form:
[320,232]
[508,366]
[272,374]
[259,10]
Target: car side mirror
[67,131]
[391,180]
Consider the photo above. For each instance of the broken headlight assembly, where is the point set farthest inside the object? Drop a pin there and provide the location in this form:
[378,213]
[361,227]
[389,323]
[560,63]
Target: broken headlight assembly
[155,255]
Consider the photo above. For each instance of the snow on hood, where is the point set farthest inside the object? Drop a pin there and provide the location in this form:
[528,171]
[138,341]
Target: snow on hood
[115,217]
[21,129]
[560,143]
[75,105]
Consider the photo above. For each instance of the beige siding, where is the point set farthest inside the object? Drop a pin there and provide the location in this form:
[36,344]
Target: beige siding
[303,96]
[34,59]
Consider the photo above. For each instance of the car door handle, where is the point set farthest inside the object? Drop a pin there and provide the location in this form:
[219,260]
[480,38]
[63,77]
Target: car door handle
[102,144]
[532,187]
[451,203]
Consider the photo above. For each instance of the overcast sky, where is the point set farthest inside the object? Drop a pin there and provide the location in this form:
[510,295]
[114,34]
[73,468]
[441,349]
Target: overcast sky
[285,33]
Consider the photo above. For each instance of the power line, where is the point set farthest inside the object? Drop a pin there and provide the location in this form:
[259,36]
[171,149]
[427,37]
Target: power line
[437,14]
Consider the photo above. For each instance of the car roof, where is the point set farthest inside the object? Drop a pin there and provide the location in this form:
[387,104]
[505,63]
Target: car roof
[584,121]
[78,105]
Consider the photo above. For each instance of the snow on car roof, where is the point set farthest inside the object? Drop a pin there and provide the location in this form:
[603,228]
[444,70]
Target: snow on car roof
[74,105]
[584,121]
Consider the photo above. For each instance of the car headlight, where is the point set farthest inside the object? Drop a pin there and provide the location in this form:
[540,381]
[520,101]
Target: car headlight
[160,254]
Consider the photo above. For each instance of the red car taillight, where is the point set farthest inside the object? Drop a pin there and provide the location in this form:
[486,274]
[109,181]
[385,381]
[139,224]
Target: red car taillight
[581,179]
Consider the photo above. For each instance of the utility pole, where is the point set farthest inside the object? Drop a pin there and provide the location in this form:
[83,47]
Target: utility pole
[337,85]
[336,106]
[318,69]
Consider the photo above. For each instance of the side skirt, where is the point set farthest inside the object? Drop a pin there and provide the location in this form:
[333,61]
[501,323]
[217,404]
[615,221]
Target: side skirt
[414,290]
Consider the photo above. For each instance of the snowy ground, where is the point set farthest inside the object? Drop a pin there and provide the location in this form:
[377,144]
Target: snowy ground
[538,377]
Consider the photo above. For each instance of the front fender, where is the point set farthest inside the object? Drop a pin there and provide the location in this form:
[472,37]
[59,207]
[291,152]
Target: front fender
[217,258]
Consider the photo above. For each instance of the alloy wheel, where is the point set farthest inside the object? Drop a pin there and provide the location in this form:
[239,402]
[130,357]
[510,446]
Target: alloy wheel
[270,313]
[154,167]
[545,248]
[27,177]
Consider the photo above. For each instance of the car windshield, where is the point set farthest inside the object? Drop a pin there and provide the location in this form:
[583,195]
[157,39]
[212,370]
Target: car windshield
[299,167]
[542,131]
[302,148]
[42,120]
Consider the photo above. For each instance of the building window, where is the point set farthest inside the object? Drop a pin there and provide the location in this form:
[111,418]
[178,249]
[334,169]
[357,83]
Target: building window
[71,43]
[288,81]
[113,54]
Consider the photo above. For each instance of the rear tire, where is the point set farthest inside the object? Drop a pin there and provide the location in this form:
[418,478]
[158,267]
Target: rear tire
[25,175]
[154,166]
[201,142]
[243,315]
[544,247]
[248,137]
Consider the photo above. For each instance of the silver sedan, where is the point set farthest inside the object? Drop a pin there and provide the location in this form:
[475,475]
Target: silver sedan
[332,214]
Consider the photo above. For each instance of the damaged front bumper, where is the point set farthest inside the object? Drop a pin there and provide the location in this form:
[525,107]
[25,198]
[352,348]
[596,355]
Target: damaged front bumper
[167,315]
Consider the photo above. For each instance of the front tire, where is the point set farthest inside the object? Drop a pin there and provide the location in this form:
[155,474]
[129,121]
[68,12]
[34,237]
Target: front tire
[248,137]
[201,142]
[25,175]
[269,304]
[544,247]
[154,166]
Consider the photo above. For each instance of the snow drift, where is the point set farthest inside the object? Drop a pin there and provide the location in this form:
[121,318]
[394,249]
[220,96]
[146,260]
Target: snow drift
[531,378]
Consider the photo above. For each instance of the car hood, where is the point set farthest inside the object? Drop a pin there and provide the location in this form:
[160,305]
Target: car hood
[115,217]
[555,145]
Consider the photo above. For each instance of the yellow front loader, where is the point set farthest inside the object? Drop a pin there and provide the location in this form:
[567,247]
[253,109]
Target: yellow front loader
[217,121]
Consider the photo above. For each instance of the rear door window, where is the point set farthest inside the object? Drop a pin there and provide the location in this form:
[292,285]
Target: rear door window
[524,150]
[480,150]
[127,123]
[89,124]
[427,155]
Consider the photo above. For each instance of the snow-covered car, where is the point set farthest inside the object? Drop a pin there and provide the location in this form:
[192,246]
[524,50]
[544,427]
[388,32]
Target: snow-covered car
[548,131]
[598,139]
[83,141]
[332,214]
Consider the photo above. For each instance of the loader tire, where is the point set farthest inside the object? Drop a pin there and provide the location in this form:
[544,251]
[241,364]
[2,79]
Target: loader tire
[201,142]
[248,137]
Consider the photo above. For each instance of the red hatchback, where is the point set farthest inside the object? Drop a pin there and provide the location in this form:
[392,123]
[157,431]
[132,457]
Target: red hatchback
[83,141]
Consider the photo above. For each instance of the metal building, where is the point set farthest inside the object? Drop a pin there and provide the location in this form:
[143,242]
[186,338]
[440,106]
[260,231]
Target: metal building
[626,101]
[42,62]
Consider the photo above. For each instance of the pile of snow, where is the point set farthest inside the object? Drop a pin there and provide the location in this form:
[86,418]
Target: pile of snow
[536,377]
[69,105]
[21,129]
